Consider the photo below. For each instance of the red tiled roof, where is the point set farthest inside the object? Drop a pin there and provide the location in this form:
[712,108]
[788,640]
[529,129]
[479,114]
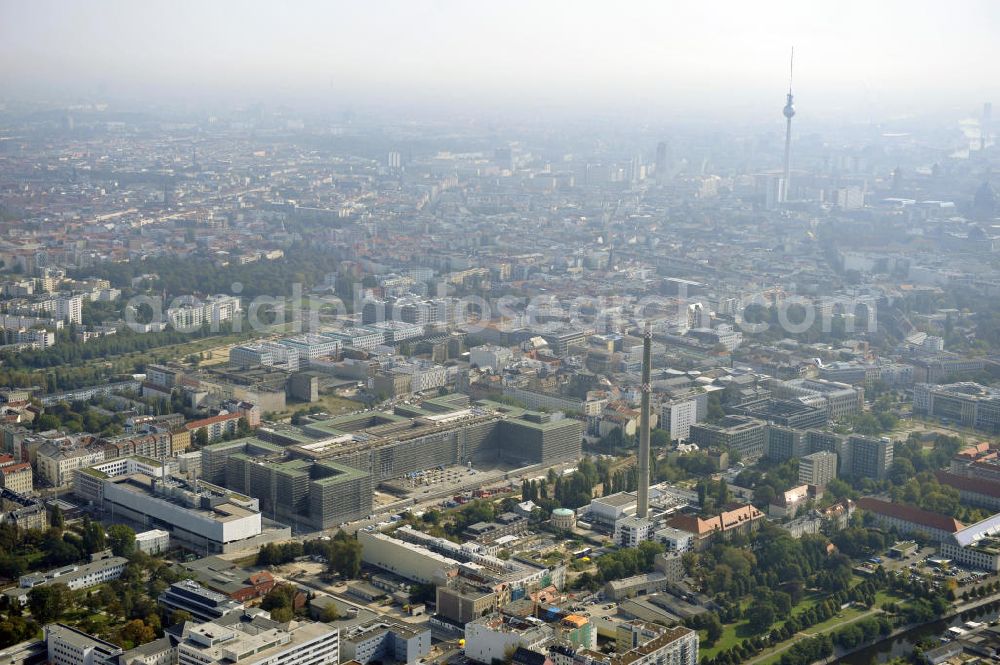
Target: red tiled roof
[205,422]
[261,577]
[14,468]
[726,520]
[910,514]
[962,483]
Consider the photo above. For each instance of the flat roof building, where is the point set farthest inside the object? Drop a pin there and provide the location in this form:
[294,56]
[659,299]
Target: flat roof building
[260,641]
[69,646]
[201,603]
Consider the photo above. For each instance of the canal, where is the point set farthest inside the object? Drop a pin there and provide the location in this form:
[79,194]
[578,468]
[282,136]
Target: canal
[902,645]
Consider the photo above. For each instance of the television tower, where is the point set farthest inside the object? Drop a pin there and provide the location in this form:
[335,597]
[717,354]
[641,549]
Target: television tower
[642,496]
[789,112]
[984,126]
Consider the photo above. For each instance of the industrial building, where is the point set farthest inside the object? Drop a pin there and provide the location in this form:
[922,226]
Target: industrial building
[866,457]
[304,490]
[839,400]
[785,413]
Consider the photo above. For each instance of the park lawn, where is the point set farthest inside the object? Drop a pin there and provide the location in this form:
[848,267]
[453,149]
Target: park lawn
[883,597]
[733,633]
[729,639]
[834,621]
[809,600]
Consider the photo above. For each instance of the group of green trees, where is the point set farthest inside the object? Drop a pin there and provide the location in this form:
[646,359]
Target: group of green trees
[71,353]
[79,417]
[772,559]
[281,603]
[275,554]
[713,496]
[576,489]
[303,263]
[342,553]
[123,611]
[864,631]
[33,549]
[763,619]
[769,479]
[619,564]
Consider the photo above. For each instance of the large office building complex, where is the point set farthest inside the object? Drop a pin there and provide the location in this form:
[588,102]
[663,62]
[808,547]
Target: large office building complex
[200,515]
[69,646]
[838,400]
[201,603]
[301,489]
[327,476]
[968,404]
[256,640]
[739,434]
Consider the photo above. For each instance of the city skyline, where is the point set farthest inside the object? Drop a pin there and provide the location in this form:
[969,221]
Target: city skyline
[860,60]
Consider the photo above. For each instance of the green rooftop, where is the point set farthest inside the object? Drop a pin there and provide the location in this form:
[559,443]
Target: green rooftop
[339,473]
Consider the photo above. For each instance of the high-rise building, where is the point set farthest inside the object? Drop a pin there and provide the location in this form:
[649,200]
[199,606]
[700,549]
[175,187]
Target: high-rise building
[661,163]
[736,434]
[818,468]
[870,458]
[985,126]
[677,416]
[784,443]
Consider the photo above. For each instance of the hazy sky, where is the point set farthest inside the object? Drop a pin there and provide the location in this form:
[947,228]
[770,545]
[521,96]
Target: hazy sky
[718,57]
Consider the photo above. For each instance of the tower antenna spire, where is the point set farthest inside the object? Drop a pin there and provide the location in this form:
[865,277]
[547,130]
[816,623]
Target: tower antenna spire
[791,70]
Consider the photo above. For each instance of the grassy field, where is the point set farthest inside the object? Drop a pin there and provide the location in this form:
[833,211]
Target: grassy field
[729,639]
[336,405]
[883,597]
[733,633]
[833,622]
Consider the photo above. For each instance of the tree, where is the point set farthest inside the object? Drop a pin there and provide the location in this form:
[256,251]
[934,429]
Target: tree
[93,536]
[329,613]
[713,628]
[136,632]
[344,556]
[56,518]
[901,471]
[760,616]
[121,539]
[659,438]
[47,603]
[714,412]
[763,495]
[722,494]
[282,614]
[201,437]
[180,616]
[782,603]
